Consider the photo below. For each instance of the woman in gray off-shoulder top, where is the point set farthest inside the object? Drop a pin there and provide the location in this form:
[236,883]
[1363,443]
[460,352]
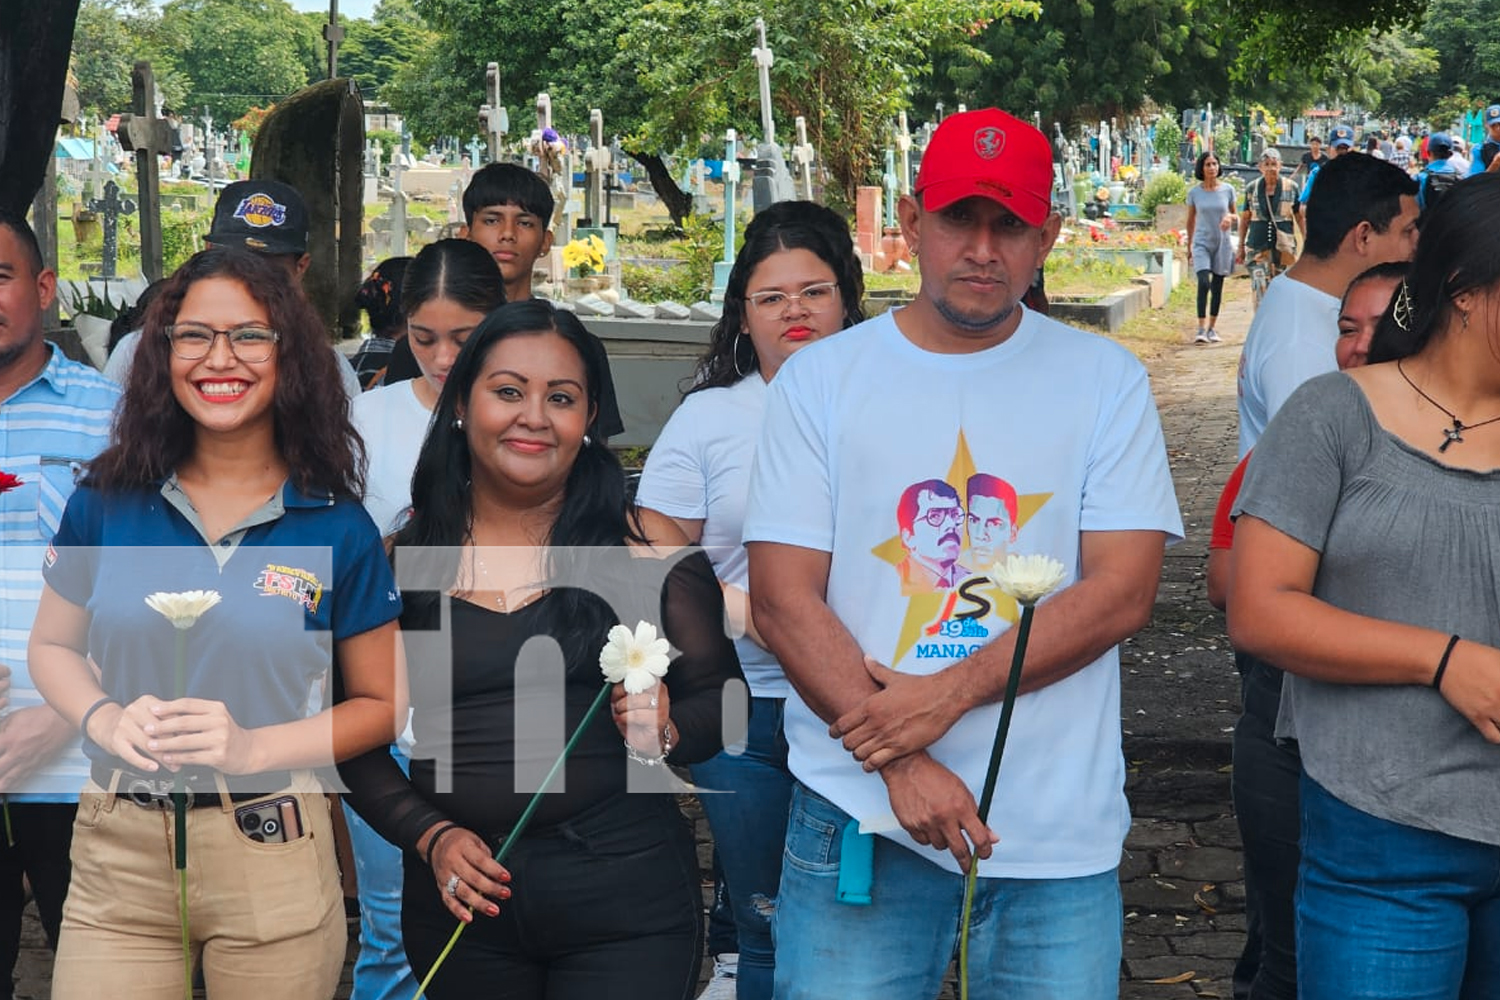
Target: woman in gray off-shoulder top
[1366,566]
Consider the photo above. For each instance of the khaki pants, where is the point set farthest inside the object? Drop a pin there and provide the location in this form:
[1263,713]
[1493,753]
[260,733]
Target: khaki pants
[265,920]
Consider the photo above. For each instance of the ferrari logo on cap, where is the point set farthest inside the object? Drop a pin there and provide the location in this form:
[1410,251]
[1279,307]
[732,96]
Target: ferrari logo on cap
[988,142]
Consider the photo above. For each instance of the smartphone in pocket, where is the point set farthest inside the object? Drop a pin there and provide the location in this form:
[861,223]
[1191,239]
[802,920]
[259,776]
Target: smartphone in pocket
[273,822]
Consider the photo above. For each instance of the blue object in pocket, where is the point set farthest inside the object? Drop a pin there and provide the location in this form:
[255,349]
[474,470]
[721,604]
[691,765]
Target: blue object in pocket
[856,865]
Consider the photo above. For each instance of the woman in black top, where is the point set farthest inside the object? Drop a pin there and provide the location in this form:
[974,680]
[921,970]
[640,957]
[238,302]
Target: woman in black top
[529,553]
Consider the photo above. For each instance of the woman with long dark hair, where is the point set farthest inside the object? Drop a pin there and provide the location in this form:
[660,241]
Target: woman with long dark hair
[1364,565]
[523,551]
[447,289]
[232,469]
[796,280]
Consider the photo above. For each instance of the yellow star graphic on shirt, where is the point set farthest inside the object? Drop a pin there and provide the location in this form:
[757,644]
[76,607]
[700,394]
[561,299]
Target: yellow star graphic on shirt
[923,609]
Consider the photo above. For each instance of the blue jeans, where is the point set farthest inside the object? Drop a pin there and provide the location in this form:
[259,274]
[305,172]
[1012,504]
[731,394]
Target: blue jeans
[747,814]
[1386,910]
[380,971]
[1030,939]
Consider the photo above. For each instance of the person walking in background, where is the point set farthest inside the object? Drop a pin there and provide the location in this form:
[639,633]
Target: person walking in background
[1210,217]
[796,280]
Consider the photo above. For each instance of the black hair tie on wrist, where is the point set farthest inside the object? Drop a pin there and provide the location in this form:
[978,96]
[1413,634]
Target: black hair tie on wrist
[1437,678]
[432,841]
[83,726]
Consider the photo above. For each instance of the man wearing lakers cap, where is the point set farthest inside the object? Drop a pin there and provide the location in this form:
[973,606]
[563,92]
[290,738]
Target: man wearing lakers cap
[890,761]
[267,217]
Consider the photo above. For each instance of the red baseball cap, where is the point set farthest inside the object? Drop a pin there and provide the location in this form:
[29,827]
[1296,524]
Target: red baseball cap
[990,154]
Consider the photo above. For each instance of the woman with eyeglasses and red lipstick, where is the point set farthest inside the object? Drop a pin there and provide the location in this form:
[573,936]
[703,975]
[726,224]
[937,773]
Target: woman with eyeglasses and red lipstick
[796,280]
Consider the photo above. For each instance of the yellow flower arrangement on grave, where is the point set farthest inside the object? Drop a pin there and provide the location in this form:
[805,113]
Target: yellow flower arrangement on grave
[586,255]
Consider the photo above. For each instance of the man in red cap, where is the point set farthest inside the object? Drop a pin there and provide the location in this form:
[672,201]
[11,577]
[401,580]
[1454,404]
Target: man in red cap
[890,761]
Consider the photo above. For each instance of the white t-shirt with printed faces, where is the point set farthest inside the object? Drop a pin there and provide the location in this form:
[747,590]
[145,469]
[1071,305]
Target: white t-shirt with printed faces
[393,424]
[699,469]
[914,469]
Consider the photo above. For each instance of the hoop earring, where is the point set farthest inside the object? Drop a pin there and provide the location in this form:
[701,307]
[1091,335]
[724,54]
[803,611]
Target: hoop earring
[735,354]
[1401,312]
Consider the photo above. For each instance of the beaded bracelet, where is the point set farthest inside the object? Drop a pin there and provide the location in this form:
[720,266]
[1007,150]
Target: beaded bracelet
[666,748]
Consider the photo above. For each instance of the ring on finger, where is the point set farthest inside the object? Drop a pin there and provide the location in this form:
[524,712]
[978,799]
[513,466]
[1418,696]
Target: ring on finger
[451,886]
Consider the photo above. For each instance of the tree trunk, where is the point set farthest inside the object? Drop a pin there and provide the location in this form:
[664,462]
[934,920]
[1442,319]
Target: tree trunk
[679,203]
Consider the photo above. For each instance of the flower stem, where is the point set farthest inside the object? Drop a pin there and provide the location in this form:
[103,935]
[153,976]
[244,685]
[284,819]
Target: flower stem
[987,796]
[182,919]
[520,827]
[179,830]
[1007,708]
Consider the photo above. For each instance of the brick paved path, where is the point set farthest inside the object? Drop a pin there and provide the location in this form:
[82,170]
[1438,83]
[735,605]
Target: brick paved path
[1181,877]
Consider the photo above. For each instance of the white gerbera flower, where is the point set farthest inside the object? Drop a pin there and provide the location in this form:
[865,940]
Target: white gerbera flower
[636,659]
[183,610]
[1028,579]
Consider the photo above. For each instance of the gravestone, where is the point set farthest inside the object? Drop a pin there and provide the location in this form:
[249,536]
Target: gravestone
[493,118]
[333,34]
[396,217]
[110,208]
[773,182]
[903,154]
[731,181]
[596,165]
[314,141]
[148,137]
[803,156]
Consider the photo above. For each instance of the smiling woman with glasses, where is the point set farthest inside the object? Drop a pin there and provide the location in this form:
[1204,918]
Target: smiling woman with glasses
[232,468]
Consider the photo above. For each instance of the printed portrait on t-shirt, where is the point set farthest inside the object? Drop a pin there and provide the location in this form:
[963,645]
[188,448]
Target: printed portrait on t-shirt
[950,529]
[991,520]
[930,517]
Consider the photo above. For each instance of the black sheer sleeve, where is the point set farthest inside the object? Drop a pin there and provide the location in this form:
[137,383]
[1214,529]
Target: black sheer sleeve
[385,799]
[692,615]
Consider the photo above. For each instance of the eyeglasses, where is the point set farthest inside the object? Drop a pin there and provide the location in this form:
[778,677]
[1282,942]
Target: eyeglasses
[193,341]
[813,298]
[938,516]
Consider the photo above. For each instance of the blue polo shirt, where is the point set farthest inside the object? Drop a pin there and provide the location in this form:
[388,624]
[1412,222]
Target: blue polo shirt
[49,428]
[297,575]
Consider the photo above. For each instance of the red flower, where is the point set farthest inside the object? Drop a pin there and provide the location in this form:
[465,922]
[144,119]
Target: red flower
[9,482]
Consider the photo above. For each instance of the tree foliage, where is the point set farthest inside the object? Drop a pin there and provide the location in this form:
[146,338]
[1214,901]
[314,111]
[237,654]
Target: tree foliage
[1282,38]
[238,53]
[108,39]
[1089,60]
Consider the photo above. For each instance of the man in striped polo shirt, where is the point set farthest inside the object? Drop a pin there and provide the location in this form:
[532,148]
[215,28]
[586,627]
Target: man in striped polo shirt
[55,415]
